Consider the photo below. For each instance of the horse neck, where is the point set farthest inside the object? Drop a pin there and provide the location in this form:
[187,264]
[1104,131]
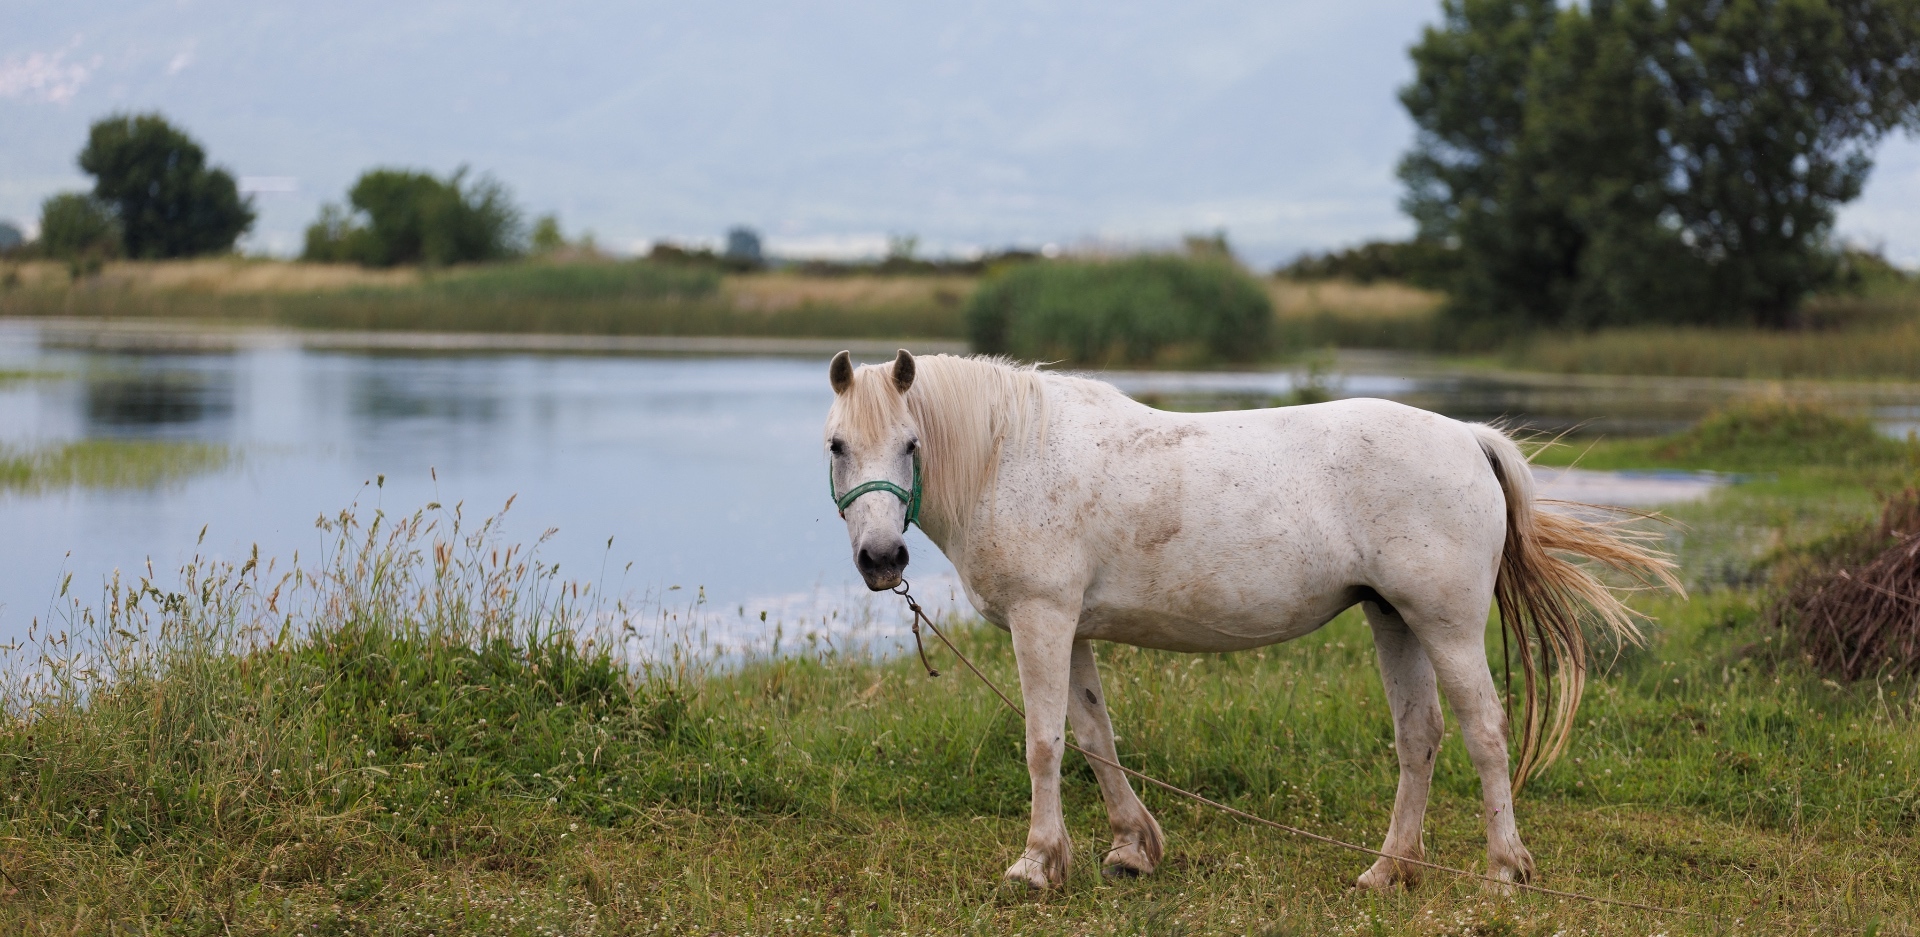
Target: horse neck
[971,440]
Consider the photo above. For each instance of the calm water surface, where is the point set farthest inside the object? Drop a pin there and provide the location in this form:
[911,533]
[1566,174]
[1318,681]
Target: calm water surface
[706,473]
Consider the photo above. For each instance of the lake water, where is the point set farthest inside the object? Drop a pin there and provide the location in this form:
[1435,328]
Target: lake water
[706,472]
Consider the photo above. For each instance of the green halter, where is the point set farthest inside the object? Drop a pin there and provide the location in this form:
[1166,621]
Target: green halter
[909,498]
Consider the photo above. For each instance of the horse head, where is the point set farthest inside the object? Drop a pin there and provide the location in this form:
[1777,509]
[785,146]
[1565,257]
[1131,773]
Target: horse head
[873,470]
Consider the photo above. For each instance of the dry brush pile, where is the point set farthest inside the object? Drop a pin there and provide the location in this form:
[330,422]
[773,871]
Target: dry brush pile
[1854,604]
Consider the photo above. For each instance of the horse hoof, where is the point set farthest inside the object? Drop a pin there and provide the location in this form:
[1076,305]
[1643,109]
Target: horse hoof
[1516,867]
[1129,861]
[1028,873]
[1386,875]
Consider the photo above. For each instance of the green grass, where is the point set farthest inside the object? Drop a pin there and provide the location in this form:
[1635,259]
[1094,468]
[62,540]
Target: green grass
[107,463]
[426,732]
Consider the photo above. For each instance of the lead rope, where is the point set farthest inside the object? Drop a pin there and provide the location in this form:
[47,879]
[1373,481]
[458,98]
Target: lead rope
[920,617]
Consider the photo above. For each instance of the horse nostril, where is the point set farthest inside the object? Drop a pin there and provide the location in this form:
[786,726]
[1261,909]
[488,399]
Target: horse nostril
[867,559]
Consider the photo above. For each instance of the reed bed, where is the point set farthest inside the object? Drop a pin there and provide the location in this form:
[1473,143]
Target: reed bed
[1851,354]
[1342,314]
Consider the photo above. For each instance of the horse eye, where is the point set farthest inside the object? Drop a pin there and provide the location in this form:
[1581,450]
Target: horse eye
[912,445]
[837,447]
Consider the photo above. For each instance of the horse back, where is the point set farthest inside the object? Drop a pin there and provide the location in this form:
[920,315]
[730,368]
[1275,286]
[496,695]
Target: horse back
[1225,530]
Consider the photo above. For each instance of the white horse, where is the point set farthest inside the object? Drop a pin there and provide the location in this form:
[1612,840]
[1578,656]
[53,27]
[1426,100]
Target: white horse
[1074,514]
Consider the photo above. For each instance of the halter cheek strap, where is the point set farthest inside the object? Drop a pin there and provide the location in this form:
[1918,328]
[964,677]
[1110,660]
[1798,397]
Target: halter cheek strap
[909,498]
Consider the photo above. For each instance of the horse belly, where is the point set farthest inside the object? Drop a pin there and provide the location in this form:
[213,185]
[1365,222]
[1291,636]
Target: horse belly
[1202,619]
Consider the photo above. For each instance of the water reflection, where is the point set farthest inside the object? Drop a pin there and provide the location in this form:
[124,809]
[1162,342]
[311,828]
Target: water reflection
[426,395]
[155,399]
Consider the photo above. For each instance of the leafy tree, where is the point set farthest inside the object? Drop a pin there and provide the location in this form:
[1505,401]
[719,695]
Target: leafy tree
[169,202]
[1634,160]
[400,216]
[75,226]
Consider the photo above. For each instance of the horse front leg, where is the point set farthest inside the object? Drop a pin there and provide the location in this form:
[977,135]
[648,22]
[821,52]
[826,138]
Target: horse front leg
[1043,647]
[1137,841]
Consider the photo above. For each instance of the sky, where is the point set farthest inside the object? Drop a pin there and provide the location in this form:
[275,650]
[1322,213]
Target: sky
[828,127]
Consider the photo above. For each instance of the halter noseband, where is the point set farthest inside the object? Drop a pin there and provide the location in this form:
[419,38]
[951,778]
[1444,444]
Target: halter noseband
[909,498]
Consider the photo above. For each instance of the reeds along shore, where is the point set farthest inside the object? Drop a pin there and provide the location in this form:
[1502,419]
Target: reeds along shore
[425,729]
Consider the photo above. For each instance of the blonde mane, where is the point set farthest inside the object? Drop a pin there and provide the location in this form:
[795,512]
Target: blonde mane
[967,410]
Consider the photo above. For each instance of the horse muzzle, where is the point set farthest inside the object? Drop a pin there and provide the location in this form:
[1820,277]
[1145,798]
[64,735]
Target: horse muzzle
[881,561]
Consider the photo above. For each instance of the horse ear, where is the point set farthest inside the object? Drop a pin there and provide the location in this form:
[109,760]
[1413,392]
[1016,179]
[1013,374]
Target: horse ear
[902,371]
[840,372]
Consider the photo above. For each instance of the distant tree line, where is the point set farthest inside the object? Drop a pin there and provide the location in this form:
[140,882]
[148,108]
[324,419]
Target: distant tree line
[1626,161]
[743,253]
[1420,262]
[154,196]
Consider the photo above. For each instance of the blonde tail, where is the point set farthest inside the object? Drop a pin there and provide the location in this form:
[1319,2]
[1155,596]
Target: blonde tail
[1541,596]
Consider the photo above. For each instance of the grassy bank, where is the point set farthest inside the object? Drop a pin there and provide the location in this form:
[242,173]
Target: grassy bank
[427,732]
[600,298]
[1871,334]
[1853,354]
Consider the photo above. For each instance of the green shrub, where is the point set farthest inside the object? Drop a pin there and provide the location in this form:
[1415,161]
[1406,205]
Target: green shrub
[76,226]
[400,216]
[1141,310]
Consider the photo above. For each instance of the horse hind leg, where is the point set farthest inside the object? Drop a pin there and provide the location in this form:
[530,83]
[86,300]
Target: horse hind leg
[1456,644]
[1418,726]
[1137,840]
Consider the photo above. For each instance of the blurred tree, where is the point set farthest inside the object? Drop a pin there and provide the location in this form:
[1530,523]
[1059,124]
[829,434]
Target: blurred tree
[546,235]
[1211,246]
[1425,263]
[169,202]
[743,249]
[79,229]
[1634,160]
[399,216]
